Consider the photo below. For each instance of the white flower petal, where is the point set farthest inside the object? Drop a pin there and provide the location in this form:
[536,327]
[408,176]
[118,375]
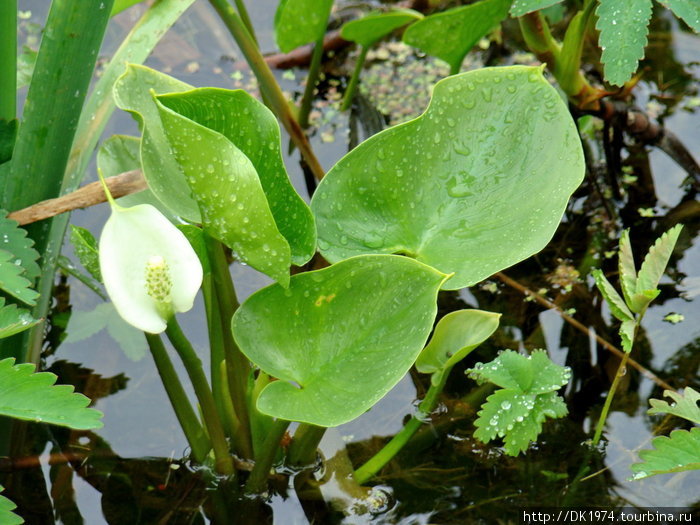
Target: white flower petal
[129,239]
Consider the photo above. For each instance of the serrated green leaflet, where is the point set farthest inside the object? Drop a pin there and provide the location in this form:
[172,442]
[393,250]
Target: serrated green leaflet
[12,282]
[615,302]
[253,129]
[451,34]
[677,453]
[623,36]
[299,22]
[7,517]
[32,396]
[14,320]
[685,405]
[14,239]
[374,26]
[231,199]
[627,331]
[132,92]
[655,262]
[521,7]
[334,352]
[627,269]
[516,417]
[454,337]
[466,187]
[688,10]
[85,247]
[533,374]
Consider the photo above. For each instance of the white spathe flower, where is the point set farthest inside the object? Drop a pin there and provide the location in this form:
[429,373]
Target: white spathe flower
[148,267]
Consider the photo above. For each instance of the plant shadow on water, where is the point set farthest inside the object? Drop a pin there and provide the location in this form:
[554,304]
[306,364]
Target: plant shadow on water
[131,472]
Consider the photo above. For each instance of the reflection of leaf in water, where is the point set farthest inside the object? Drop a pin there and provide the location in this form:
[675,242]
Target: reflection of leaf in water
[87,381]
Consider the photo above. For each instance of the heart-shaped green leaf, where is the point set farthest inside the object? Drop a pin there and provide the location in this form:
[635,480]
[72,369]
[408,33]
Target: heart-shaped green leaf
[451,34]
[334,352]
[454,337]
[253,129]
[299,22]
[132,92]
[231,199]
[374,26]
[477,183]
[34,397]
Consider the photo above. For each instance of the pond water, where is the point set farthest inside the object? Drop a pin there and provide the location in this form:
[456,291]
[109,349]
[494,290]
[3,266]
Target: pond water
[130,471]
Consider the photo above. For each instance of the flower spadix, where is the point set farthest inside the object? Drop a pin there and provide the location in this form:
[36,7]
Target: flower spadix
[148,266]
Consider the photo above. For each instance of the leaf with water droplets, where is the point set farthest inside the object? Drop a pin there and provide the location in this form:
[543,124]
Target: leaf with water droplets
[677,453]
[133,93]
[14,239]
[32,396]
[253,129]
[372,27]
[299,22]
[12,281]
[684,405]
[226,186]
[623,36]
[450,35]
[14,320]
[454,337]
[688,10]
[467,187]
[86,250]
[534,374]
[334,353]
[522,7]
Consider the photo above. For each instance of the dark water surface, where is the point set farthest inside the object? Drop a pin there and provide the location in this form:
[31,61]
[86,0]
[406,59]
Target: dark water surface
[445,476]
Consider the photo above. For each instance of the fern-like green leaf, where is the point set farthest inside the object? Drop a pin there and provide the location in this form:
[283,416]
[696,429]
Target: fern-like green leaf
[685,405]
[688,10]
[29,395]
[623,36]
[12,282]
[14,240]
[7,517]
[85,247]
[522,7]
[656,260]
[14,320]
[677,453]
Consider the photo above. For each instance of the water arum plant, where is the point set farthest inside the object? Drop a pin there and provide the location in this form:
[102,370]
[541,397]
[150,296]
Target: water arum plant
[148,267]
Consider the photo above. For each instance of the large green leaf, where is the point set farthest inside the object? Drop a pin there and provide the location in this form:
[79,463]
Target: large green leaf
[7,517]
[132,92]
[521,7]
[254,130]
[32,396]
[477,183]
[623,36]
[677,453]
[374,26]
[225,183]
[14,320]
[335,352]
[688,10]
[454,337]
[14,239]
[451,34]
[299,22]
[685,405]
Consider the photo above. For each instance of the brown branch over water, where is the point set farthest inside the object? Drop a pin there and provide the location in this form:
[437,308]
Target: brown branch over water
[581,327]
[120,185]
